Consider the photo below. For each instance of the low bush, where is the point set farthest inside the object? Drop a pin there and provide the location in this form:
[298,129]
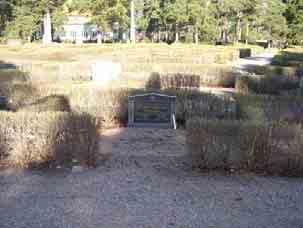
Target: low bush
[180,81]
[279,71]
[288,58]
[198,104]
[264,109]
[111,106]
[54,103]
[154,82]
[245,52]
[172,81]
[3,40]
[218,77]
[275,148]
[272,85]
[12,75]
[30,140]
[19,94]
[210,76]
[245,85]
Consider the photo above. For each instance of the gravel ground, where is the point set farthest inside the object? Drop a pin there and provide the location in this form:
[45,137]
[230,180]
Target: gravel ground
[145,183]
[257,60]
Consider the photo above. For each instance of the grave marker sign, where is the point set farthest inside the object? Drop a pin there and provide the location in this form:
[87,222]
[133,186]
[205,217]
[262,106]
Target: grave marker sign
[152,110]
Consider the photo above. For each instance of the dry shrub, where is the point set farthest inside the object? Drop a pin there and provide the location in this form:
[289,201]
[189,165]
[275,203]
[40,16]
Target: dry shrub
[245,52]
[210,76]
[30,140]
[19,94]
[274,148]
[111,106]
[280,71]
[55,103]
[12,75]
[226,56]
[272,85]
[290,57]
[154,82]
[192,103]
[245,85]
[180,81]
[219,77]
[262,109]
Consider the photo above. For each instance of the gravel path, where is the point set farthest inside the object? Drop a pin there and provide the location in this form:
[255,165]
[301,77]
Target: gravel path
[146,183]
[257,60]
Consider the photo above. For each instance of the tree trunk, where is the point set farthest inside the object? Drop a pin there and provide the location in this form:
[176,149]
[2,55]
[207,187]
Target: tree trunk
[247,33]
[240,33]
[238,30]
[47,36]
[177,34]
[225,31]
[133,23]
[196,36]
[166,35]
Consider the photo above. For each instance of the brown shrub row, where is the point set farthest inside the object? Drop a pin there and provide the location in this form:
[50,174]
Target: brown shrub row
[217,78]
[172,81]
[30,139]
[275,148]
[263,109]
[273,85]
[281,71]
[111,106]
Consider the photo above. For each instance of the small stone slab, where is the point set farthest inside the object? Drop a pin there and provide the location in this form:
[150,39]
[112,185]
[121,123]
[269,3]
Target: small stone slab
[152,110]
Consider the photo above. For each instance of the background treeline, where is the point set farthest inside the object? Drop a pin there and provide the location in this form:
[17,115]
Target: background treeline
[170,20]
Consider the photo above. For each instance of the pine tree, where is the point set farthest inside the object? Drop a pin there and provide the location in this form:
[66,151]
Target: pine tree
[294,16]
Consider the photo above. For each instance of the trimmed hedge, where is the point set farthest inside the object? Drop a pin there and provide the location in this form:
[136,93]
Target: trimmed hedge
[263,109]
[275,148]
[54,103]
[111,106]
[288,58]
[210,77]
[245,52]
[19,94]
[273,85]
[172,81]
[32,140]
[269,70]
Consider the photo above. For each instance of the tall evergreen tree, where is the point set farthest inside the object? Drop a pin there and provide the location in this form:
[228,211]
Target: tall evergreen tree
[294,16]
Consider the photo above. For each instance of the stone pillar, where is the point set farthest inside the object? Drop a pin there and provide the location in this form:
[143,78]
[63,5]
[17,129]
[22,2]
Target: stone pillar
[47,23]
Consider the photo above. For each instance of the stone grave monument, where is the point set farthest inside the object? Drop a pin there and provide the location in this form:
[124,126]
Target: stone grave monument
[152,110]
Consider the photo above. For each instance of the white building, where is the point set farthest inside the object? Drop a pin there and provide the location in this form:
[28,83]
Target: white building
[78,29]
